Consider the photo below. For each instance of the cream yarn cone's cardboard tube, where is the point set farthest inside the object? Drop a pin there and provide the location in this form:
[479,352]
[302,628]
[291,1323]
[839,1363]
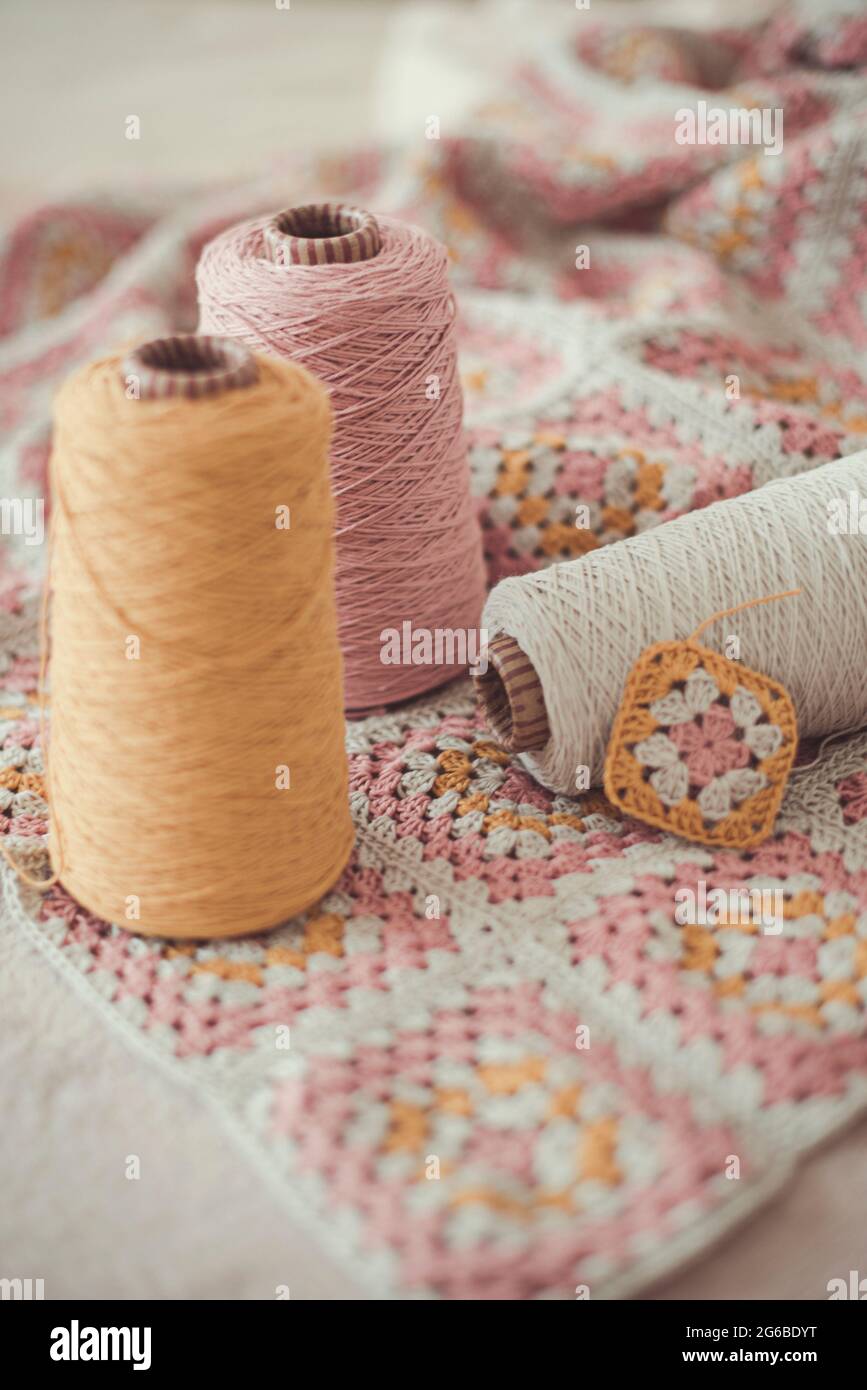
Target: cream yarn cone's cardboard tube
[511,697]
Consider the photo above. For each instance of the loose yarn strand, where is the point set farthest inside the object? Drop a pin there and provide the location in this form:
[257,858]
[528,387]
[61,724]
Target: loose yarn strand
[740,608]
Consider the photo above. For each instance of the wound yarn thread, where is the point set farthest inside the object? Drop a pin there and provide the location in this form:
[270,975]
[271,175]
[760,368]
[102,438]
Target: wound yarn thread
[196,772]
[582,625]
[372,317]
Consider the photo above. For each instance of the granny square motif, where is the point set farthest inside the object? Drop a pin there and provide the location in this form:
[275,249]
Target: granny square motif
[701,746]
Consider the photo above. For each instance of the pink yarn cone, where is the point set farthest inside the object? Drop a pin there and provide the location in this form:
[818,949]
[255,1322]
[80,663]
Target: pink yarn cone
[365,304]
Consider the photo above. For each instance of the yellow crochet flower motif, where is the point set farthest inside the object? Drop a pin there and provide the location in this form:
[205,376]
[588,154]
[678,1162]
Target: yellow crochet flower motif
[701,745]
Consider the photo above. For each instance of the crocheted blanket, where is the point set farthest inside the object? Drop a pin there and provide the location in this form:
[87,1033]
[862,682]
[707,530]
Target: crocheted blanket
[492,1063]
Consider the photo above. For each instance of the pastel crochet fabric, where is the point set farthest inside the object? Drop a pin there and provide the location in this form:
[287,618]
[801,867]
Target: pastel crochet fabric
[512,1071]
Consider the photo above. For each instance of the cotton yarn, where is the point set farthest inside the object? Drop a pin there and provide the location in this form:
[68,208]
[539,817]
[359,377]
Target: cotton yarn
[583,624]
[365,303]
[196,772]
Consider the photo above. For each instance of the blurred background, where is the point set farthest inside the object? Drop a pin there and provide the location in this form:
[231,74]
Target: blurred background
[222,87]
